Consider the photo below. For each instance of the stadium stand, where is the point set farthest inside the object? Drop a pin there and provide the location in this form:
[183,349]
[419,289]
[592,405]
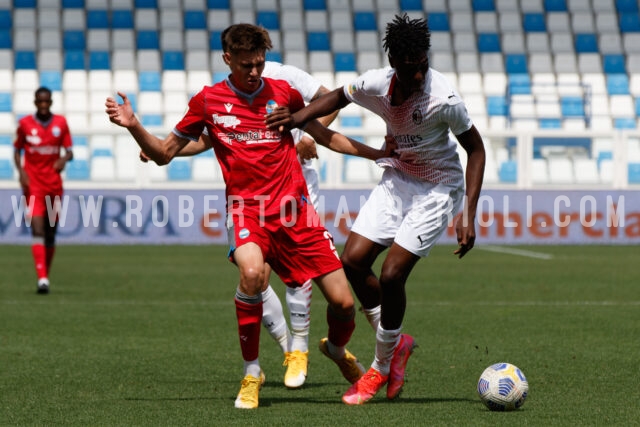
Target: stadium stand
[523,67]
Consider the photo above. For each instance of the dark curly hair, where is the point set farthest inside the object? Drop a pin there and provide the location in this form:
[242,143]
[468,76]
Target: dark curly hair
[406,38]
[247,37]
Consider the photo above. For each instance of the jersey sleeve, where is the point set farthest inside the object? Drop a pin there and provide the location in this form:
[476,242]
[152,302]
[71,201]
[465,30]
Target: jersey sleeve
[455,114]
[18,144]
[296,101]
[304,82]
[192,124]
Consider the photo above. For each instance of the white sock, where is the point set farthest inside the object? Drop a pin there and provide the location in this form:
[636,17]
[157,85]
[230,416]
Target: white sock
[273,319]
[299,305]
[385,345]
[373,316]
[252,368]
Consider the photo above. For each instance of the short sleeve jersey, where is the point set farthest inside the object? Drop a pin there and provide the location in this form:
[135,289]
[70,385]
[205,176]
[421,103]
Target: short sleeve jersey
[41,142]
[420,125]
[259,165]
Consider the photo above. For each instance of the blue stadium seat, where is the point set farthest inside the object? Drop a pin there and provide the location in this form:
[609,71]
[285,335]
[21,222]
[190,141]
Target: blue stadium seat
[99,60]
[6,41]
[516,63]
[97,19]
[438,21]
[315,5]
[51,79]
[624,123]
[147,39]
[572,106]
[519,84]
[274,56]
[410,5]
[550,123]
[6,169]
[6,140]
[77,169]
[73,40]
[488,42]
[102,152]
[508,171]
[364,21]
[268,19]
[585,43]
[344,61]
[173,60]
[149,81]
[627,6]
[122,19]
[195,20]
[25,60]
[634,173]
[351,121]
[6,21]
[555,5]
[6,105]
[80,140]
[497,106]
[483,5]
[133,99]
[74,60]
[152,120]
[24,3]
[73,4]
[179,170]
[219,76]
[617,84]
[534,22]
[218,4]
[604,155]
[214,40]
[629,22]
[146,4]
[637,106]
[614,64]
[318,41]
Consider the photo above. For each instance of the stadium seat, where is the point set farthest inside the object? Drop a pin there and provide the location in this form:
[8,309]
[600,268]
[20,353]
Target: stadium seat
[344,61]
[6,105]
[179,170]
[317,41]
[586,43]
[51,79]
[629,22]
[633,173]
[147,39]
[617,84]
[516,64]
[145,19]
[489,42]
[364,21]
[99,60]
[561,170]
[268,19]
[123,19]
[614,64]
[555,5]
[77,170]
[438,21]
[508,171]
[173,60]
[534,22]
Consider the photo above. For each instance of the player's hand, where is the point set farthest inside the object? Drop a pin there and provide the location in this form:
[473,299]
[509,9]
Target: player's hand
[24,180]
[59,165]
[306,148]
[466,234]
[121,114]
[281,119]
[143,157]
[389,147]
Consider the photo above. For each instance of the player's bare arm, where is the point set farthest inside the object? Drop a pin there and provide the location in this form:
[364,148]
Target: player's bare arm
[472,143]
[337,142]
[191,149]
[282,119]
[159,150]
[62,161]
[23,178]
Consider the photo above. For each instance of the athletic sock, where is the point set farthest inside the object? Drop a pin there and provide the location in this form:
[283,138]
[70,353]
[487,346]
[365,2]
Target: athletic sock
[373,316]
[50,251]
[249,313]
[385,345]
[273,319]
[299,305]
[340,330]
[39,258]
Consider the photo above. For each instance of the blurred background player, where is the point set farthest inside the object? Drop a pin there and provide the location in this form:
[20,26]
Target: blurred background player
[41,136]
[294,342]
[262,175]
[419,193]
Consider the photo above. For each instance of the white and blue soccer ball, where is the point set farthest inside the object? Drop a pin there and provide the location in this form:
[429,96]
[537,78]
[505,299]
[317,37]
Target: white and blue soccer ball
[503,387]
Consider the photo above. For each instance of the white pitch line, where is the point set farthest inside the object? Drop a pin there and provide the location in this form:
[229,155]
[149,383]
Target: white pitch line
[514,251]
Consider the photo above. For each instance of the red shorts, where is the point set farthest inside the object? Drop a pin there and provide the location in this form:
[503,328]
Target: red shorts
[38,207]
[296,249]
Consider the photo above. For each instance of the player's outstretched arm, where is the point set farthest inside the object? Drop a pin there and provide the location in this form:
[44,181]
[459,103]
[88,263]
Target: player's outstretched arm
[471,141]
[338,142]
[191,149]
[158,150]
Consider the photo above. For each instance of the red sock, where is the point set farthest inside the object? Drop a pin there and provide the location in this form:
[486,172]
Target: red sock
[340,328]
[249,322]
[50,250]
[40,259]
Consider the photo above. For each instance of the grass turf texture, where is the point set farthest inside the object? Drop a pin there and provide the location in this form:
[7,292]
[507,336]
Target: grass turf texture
[146,335]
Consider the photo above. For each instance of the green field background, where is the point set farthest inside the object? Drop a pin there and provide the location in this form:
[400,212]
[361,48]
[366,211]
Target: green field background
[146,335]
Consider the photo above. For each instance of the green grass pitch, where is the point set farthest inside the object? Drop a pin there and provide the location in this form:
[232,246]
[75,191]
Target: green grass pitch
[146,335]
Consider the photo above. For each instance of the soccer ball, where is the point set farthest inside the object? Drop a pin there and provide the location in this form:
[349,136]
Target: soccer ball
[503,387]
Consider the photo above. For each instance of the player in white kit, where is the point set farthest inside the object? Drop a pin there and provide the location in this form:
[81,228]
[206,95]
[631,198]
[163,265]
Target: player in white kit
[421,189]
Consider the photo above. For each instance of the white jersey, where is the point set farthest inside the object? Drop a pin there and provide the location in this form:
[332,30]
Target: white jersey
[426,150]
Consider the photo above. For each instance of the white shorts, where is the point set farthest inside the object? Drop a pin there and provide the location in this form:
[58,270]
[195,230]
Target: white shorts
[410,212]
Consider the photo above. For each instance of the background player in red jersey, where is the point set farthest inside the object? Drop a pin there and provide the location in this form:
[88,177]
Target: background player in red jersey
[269,216]
[41,136]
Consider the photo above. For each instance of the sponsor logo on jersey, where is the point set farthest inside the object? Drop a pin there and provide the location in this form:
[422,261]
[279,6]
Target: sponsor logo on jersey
[226,121]
[244,233]
[33,138]
[259,136]
[56,131]
[45,150]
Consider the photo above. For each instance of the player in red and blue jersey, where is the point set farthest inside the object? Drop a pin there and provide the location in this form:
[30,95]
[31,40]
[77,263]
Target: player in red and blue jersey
[41,136]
